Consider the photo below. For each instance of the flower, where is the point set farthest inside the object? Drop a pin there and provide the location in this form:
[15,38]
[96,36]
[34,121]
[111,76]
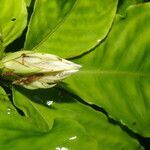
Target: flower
[36,70]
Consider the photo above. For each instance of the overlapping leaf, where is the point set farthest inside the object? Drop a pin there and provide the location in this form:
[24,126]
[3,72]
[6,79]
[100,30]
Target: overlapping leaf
[69,27]
[18,133]
[13,19]
[5,105]
[116,75]
[92,125]
[124,4]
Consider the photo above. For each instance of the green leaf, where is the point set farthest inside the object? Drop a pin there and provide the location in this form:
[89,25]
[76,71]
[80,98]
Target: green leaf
[116,75]
[69,27]
[124,4]
[13,20]
[18,133]
[6,106]
[93,124]
[31,112]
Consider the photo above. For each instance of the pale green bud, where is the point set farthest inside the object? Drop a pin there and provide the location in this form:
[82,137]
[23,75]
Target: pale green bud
[36,70]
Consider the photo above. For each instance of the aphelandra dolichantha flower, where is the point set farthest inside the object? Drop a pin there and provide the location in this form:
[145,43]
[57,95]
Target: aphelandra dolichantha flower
[34,70]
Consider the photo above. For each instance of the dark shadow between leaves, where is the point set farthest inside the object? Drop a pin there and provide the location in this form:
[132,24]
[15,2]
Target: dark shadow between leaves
[42,96]
[145,142]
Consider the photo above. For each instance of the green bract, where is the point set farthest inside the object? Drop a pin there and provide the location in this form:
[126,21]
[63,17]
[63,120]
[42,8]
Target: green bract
[36,70]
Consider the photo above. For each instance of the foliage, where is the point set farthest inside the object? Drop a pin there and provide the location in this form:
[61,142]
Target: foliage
[110,39]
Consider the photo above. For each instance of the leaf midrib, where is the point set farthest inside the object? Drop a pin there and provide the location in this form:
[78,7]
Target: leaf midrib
[50,32]
[113,72]
[46,122]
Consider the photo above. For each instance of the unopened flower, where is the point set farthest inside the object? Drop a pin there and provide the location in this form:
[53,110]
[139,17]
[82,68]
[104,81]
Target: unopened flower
[36,70]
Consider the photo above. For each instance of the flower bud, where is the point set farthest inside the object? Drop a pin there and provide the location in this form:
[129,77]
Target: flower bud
[36,70]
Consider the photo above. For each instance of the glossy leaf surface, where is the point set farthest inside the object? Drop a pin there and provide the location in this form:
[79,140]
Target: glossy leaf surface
[23,135]
[54,104]
[13,18]
[116,75]
[69,27]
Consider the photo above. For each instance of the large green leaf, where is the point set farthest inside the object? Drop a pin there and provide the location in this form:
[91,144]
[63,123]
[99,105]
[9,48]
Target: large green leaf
[116,75]
[69,27]
[32,111]
[17,133]
[101,134]
[13,19]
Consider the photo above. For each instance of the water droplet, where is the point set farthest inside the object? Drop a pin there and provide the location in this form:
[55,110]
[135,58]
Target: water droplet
[61,148]
[8,111]
[73,138]
[49,103]
[99,40]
